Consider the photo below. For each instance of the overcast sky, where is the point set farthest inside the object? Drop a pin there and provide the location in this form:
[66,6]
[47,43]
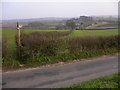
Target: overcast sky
[23,10]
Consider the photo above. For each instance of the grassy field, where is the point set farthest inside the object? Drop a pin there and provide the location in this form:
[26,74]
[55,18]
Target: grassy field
[103,82]
[108,19]
[84,33]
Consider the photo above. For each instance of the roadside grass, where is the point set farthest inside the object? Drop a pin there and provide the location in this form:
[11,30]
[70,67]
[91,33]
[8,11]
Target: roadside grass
[110,82]
[47,60]
[65,57]
[103,82]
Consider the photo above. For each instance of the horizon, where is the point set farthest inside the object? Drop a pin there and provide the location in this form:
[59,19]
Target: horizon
[24,10]
[102,16]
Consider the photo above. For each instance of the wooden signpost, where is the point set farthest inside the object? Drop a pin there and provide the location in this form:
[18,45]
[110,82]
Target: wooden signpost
[18,33]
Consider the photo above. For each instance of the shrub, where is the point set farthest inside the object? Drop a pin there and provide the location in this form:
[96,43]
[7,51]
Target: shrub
[38,44]
[4,49]
[81,44]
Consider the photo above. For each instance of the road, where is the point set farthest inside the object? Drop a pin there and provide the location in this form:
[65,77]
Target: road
[61,75]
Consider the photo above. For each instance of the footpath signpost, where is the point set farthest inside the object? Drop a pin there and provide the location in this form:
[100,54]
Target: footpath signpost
[18,33]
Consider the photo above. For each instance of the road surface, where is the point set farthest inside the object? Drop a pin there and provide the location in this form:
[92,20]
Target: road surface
[61,75]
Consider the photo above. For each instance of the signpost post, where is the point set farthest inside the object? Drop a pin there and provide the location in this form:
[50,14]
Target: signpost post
[18,33]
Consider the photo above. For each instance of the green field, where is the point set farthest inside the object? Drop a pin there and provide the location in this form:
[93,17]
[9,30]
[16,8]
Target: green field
[9,34]
[94,33]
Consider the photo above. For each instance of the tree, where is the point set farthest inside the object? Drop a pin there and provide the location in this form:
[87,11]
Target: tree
[82,27]
[71,24]
[86,20]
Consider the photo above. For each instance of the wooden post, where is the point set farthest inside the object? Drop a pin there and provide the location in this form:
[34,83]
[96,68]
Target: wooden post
[19,43]
[19,40]
[18,32]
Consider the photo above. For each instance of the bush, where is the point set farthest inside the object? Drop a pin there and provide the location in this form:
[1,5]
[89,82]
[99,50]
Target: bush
[81,44]
[38,44]
[4,49]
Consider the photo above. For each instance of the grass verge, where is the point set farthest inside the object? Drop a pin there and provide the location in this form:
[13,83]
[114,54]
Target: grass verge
[103,82]
[65,57]
[111,81]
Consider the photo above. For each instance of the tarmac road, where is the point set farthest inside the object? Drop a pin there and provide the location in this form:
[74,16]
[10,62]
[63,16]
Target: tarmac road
[61,75]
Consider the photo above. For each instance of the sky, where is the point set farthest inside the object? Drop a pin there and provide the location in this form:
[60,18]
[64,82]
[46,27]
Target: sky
[72,8]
